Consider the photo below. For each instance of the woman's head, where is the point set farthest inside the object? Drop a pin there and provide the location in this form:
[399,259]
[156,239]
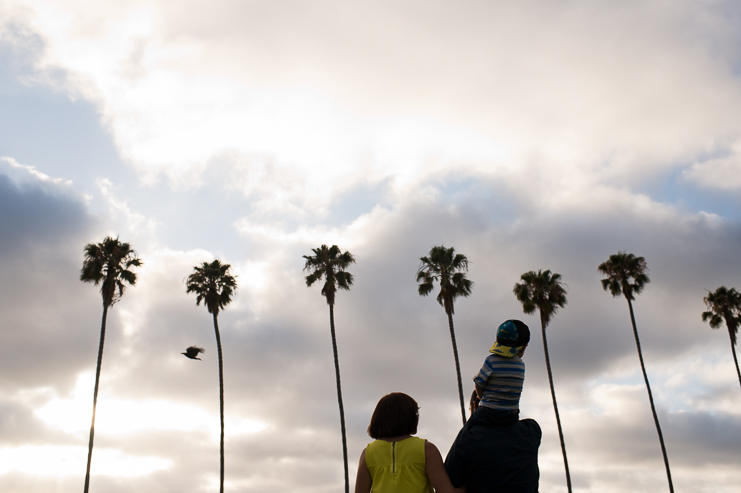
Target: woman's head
[396,414]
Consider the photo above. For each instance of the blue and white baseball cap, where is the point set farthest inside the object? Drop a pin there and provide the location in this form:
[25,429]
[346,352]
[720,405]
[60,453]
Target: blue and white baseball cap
[512,336]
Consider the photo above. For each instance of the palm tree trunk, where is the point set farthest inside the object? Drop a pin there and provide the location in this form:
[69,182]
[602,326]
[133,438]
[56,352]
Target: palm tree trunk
[555,405]
[733,350]
[95,395]
[221,399]
[339,397]
[650,397]
[457,366]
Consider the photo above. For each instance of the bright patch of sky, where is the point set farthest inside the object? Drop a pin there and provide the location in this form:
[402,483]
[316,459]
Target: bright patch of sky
[61,461]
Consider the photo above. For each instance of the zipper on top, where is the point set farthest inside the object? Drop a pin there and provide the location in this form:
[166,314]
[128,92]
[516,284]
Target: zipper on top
[393,457]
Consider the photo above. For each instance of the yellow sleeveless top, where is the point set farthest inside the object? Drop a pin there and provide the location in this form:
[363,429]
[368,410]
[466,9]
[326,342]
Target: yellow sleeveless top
[398,467]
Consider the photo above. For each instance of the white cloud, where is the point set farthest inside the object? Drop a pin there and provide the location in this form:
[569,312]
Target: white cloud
[723,173]
[25,173]
[125,417]
[317,88]
[61,461]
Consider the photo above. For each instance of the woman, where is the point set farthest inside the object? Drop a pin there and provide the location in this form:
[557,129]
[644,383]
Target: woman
[397,462]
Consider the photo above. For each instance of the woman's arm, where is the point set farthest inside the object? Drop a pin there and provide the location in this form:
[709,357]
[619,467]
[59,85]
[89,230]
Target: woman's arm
[436,471]
[363,480]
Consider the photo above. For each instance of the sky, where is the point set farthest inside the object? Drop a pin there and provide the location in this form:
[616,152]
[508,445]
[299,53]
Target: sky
[527,135]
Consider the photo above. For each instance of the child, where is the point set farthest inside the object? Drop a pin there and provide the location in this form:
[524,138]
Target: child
[499,382]
[396,461]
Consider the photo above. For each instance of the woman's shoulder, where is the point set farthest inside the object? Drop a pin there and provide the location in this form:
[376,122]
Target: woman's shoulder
[430,447]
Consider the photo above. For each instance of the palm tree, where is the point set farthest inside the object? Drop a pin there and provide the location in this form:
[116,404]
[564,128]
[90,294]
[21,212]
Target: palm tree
[214,285]
[725,305]
[330,264]
[546,292]
[106,263]
[449,270]
[627,275]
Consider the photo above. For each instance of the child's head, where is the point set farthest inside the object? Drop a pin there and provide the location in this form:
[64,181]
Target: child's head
[396,414]
[512,337]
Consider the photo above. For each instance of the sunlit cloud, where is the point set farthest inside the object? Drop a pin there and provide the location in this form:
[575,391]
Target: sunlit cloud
[723,173]
[61,461]
[24,173]
[136,222]
[177,91]
[124,417]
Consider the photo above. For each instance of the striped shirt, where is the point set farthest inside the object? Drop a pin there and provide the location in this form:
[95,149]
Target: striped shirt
[501,378]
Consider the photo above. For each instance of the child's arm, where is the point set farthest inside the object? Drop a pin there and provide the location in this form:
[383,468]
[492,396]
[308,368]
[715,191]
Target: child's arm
[436,472]
[363,480]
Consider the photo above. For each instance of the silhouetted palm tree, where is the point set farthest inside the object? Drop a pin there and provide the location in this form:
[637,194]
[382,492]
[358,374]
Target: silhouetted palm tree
[449,270]
[106,263]
[725,305]
[627,275]
[330,264]
[214,285]
[546,292]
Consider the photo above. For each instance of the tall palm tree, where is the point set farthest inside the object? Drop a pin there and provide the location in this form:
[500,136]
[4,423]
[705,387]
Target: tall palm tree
[449,269]
[725,305]
[627,275]
[214,285]
[545,292]
[106,263]
[331,264]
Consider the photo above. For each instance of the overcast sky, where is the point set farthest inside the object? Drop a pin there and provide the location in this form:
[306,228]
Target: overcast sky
[528,135]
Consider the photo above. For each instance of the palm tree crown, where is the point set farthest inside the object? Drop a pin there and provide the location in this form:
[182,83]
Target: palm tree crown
[108,263]
[330,264]
[213,284]
[543,291]
[724,305]
[444,266]
[626,275]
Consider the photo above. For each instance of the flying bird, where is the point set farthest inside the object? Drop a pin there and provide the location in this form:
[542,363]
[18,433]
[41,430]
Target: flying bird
[193,351]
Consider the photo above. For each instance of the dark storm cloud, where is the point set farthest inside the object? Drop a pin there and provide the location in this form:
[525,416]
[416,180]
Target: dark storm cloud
[34,216]
[43,232]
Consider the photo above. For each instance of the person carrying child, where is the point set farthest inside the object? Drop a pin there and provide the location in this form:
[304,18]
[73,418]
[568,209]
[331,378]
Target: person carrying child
[495,451]
[499,382]
[397,462]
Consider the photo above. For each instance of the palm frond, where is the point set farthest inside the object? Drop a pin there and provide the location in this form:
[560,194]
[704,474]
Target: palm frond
[625,274]
[107,263]
[330,264]
[444,266]
[212,284]
[724,305]
[542,290]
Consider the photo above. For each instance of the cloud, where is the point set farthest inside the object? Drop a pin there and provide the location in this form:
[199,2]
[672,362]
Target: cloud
[278,359]
[60,461]
[526,136]
[616,92]
[722,173]
[34,205]
[44,226]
